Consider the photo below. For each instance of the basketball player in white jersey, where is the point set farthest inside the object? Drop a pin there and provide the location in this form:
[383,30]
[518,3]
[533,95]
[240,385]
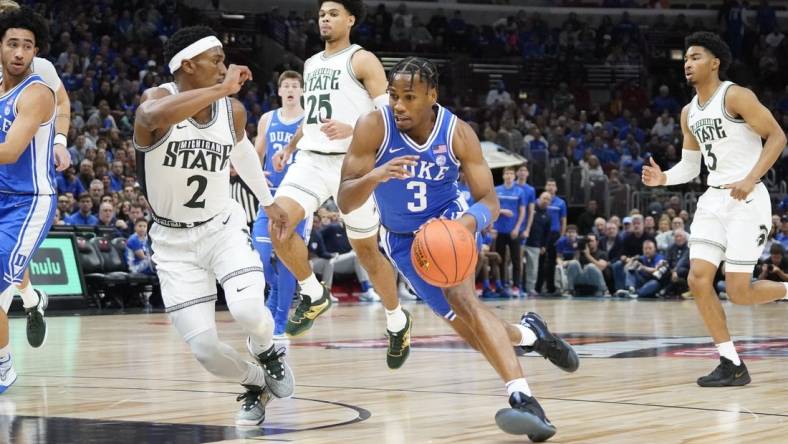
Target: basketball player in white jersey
[724,123]
[186,133]
[341,83]
[34,300]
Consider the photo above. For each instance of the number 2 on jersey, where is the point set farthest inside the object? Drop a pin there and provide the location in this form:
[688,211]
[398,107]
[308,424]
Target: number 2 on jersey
[710,156]
[202,183]
[316,106]
[420,195]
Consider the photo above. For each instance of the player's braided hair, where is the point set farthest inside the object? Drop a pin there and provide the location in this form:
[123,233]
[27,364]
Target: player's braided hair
[426,70]
[26,18]
[712,43]
[185,37]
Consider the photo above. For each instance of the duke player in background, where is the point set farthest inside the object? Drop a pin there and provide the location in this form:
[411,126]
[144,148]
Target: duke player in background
[27,173]
[409,155]
[34,300]
[275,130]
[723,125]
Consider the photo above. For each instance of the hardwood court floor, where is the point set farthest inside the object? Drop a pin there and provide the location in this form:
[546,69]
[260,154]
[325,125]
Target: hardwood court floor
[130,379]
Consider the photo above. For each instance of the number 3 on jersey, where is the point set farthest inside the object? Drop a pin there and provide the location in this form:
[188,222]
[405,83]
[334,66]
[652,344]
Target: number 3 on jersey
[420,196]
[711,159]
[316,106]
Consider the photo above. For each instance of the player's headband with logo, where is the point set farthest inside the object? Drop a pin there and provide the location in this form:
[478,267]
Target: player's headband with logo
[193,50]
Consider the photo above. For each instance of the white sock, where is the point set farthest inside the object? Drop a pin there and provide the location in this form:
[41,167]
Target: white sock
[528,336]
[5,354]
[311,287]
[395,319]
[29,297]
[254,376]
[518,385]
[728,350]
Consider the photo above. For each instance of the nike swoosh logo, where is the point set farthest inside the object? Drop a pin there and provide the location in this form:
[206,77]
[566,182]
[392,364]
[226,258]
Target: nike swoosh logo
[738,375]
[179,126]
[394,150]
[749,201]
[244,288]
[227,220]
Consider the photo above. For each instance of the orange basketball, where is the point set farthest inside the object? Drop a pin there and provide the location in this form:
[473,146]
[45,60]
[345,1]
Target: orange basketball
[444,253]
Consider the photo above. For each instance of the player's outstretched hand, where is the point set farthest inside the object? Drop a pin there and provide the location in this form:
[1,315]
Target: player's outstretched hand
[652,174]
[235,78]
[279,221]
[394,168]
[62,157]
[335,130]
[741,189]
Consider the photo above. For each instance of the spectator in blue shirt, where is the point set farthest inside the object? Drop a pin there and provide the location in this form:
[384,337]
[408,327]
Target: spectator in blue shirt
[510,219]
[782,235]
[567,244]
[557,211]
[664,102]
[116,177]
[138,251]
[67,182]
[645,273]
[84,215]
[530,201]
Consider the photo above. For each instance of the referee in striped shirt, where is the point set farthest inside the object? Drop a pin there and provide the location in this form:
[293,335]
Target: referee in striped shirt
[244,196]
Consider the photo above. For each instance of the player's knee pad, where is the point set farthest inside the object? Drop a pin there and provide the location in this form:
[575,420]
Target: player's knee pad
[253,316]
[216,357]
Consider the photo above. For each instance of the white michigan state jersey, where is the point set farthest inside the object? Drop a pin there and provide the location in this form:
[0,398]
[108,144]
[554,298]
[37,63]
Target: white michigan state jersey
[186,175]
[730,147]
[331,91]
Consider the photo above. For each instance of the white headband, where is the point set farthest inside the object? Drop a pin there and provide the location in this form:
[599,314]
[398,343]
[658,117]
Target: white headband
[193,50]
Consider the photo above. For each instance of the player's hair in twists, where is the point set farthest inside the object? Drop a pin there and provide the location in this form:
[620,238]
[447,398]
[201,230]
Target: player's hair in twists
[185,37]
[354,7]
[712,43]
[26,18]
[427,71]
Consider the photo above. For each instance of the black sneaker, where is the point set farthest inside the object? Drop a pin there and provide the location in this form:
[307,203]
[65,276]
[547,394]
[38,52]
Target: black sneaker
[726,374]
[278,375]
[399,344]
[550,346]
[36,325]
[525,417]
[306,313]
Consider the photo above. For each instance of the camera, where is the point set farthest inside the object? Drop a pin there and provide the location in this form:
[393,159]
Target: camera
[770,268]
[662,268]
[582,242]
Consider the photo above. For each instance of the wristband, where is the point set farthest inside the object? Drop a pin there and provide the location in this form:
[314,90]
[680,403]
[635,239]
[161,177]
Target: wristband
[60,139]
[482,214]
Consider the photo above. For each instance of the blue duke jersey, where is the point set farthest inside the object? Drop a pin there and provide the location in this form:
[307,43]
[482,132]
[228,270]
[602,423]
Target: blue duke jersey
[34,172]
[277,136]
[405,204]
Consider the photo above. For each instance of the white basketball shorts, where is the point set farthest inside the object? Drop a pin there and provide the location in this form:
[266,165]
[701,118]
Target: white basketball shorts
[313,178]
[734,231]
[189,261]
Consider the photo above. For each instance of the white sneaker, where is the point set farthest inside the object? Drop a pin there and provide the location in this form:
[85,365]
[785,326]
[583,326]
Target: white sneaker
[370,296]
[7,374]
[252,411]
[403,292]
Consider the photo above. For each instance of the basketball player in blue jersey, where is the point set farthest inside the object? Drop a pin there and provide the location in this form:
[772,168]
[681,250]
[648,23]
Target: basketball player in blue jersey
[27,174]
[275,130]
[409,155]
[725,124]
[34,300]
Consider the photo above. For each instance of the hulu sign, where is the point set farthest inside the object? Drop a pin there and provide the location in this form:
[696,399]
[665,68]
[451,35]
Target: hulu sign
[55,267]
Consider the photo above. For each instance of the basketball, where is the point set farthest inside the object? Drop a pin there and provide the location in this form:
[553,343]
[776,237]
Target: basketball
[444,253]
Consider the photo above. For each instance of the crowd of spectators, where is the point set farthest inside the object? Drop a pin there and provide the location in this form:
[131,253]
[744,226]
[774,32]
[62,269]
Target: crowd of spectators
[108,52]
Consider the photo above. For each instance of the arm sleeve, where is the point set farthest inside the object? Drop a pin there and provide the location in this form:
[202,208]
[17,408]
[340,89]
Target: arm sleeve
[684,171]
[247,163]
[47,71]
